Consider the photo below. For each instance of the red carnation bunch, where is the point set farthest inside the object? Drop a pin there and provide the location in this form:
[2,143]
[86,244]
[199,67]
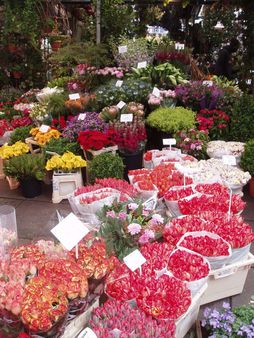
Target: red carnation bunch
[96,140]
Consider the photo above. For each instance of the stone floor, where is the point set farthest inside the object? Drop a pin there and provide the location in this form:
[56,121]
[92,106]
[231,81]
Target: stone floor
[35,218]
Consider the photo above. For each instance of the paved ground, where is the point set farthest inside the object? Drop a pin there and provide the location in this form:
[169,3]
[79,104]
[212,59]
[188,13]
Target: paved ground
[35,218]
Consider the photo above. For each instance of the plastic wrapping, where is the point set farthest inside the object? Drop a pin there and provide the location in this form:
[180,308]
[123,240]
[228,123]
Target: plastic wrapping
[239,254]
[215,262]
[146,194]
[173,205]
[8,229]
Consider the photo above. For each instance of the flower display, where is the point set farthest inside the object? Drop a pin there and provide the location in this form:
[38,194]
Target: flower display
[21,121]
[38,112]
[214,121]
[70,278]
[4,126]
[219,148]
[121,185]
[114,314]
[29,253]
[96,140]
[188,266]
[176,194]
[42,138]
[211,189]
[40,316]
[166,98]
[206,245]
[67,162]
[78,105]
[16,149]
[94,197]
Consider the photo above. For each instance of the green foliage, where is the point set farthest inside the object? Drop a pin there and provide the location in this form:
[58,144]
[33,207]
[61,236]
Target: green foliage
[164,75]
[60,82]
[62,145]
[25,166]
[171,120]
[20,134]
[247,159]
[56,104]
[105,165]
[131,90]
[242,119]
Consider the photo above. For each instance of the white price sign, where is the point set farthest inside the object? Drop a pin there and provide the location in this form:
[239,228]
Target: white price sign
[82,116]
[156,92]
[122,49]
[179,46]
[208,83]
[169,141]
[134,260]
[70,231]
[44,128]
[229,159]
[87,333]
[126,118]
[74,96]
[142,64]
[119,83]
[121,104]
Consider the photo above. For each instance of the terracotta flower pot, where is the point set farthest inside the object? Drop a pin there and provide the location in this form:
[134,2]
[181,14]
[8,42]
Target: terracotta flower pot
[251,187]
[13,182]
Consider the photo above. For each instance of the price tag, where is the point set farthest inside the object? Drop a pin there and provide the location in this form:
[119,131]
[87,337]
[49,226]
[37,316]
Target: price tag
[208,83]
[87,333]
[44,128]
[142,64]
[75,96]
[229,159]
[70,231]
[134,260]
[169,141]
[119,83]
[121,104]
[82,116]
[122,49]
[156,92]
[249,82]
[179,46]
[126,118]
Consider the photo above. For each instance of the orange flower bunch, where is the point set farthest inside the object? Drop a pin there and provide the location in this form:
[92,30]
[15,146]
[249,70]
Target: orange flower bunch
[79,104]
[43,138]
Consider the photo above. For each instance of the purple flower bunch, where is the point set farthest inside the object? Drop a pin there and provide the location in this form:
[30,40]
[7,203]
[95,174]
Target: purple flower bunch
[236,322]
[92,121]
[197,96]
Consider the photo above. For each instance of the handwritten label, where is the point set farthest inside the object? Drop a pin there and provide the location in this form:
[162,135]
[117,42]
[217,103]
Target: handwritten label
[70,231]
[229,159]
[82,116]
[169,141]
[44,128]
[208,83]
[119,83]
[122,49]
[75,96]
[134,260]
[156,92]
[87,333]
[121,104]
[126,118]
[142,64]
[249,82]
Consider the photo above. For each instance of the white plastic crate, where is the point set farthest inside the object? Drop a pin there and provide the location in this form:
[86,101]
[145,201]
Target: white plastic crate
[79,323]
[64,184]
[227,281]
[184,323]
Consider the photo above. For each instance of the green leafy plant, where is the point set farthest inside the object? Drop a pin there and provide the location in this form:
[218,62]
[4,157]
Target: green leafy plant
[20,134]
[56,104]
[164,75]
[25,166]
[60,82]
[62,145]
[241,119]
[105,165]
[171,120]
[247,159]
[131,90]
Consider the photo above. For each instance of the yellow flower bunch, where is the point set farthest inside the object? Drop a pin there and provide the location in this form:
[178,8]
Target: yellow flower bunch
[43,138]
[16,149]
[67,162]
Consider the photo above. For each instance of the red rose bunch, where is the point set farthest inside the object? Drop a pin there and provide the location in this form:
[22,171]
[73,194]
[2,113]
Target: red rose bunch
[21,122]
[165,297]
[206,245]
[131,322]
[30,253]
[96,140]
[175,195]
[43,305]
[176,228]
[70,277]
[138,172]
[188,266]
[211,189]
[92,257]
[219,203]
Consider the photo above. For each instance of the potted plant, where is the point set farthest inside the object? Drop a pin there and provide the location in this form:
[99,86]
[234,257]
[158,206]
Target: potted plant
[29,170]
[49,25]
[105,165]
[167,121]
[247,163]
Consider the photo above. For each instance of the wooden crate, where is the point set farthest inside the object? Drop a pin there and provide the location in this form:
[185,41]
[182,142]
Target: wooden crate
[33,145]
